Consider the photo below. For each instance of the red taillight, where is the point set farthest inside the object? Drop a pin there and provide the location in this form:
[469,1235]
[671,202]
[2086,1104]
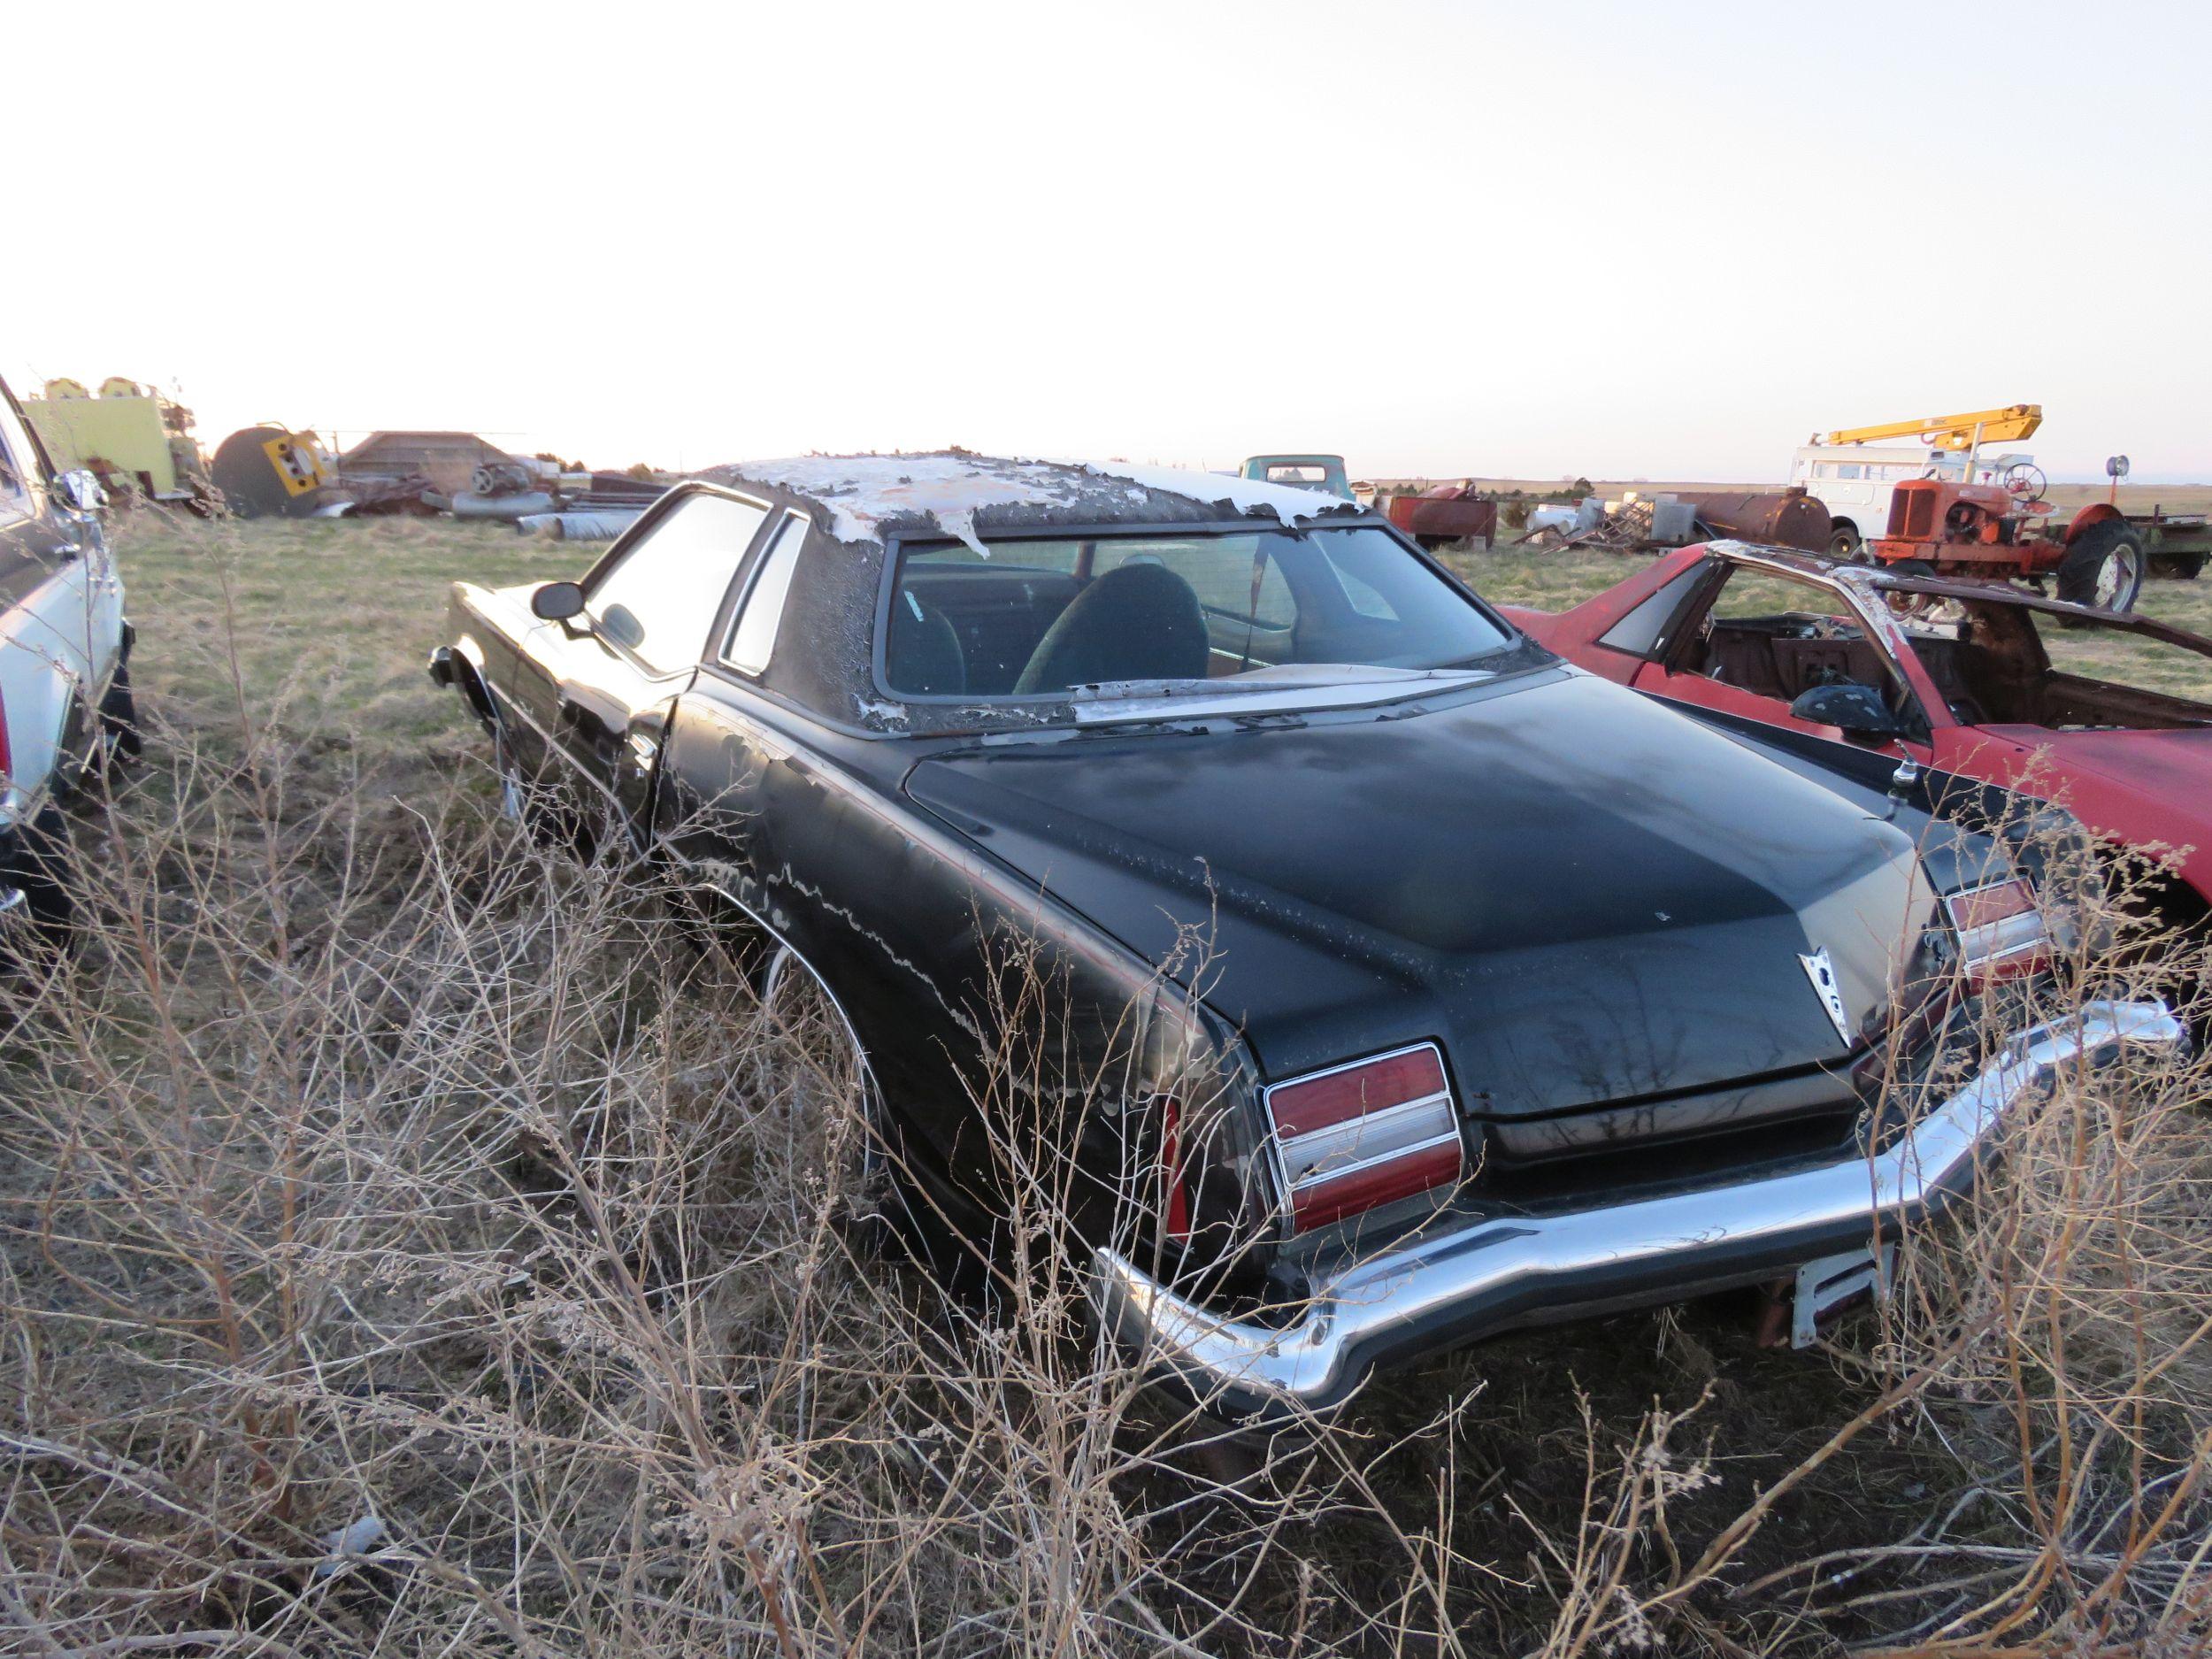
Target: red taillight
[2000,930]
[1357,1136]
[1174,1176]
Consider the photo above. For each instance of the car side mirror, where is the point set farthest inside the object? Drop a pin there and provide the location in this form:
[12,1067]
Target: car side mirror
[558,602]
[81,491]
[1857,711]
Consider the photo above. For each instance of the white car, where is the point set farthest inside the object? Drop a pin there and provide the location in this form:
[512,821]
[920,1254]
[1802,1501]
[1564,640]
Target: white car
[1854,482]
[66,708]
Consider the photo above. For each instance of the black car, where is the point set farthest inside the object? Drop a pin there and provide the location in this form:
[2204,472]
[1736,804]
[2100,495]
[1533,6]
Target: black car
[1406,983]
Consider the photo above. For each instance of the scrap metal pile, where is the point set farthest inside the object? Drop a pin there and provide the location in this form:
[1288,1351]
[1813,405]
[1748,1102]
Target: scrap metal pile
[139,443]
[272,471]
[1638,524]
[538,498]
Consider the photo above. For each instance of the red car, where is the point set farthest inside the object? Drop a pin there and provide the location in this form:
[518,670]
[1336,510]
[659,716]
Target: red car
[1982,680]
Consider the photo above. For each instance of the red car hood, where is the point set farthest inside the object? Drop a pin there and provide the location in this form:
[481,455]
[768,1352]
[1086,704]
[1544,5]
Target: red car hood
[2141,785]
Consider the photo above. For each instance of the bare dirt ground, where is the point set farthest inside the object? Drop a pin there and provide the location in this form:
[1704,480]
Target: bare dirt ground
[413,1243]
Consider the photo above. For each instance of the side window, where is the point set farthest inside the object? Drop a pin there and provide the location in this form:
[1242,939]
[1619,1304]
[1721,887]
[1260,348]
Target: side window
[753,635]
[19,467]
[659,602]
[1753,598]
[1778,636]
[1645,631]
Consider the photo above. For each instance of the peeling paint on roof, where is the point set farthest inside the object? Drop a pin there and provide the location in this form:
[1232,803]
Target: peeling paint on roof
[865,495]
[1286,502]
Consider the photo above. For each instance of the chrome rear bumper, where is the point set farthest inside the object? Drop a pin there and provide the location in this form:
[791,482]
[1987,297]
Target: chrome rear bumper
[1462,1278]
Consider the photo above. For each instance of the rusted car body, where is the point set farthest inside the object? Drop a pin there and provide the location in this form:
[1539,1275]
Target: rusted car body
[1962,682]
[1405,984]
[1446,513]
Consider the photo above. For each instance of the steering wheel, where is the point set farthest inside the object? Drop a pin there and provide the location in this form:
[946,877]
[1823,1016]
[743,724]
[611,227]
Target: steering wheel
[2024,480]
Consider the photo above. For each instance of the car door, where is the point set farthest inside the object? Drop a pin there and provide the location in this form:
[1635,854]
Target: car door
[601,684]
[1755,639]
[751,795]
[56,588]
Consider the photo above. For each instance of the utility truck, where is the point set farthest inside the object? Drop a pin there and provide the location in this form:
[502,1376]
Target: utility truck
[1947,505]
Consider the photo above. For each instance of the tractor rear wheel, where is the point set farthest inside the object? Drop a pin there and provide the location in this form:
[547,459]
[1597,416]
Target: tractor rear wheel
[2103,567]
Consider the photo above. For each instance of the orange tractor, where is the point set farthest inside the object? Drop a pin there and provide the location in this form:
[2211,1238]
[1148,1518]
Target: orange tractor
[1952,524]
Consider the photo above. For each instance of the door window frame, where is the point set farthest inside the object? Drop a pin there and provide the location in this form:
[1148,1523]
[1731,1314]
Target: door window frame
[1699,608]
[26,459]
[750,575]
[630,539]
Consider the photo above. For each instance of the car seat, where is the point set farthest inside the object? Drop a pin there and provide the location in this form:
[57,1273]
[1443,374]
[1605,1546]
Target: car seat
[1135,622]
[925,658]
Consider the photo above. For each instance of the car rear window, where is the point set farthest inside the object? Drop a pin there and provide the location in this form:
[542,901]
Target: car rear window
[1040,617]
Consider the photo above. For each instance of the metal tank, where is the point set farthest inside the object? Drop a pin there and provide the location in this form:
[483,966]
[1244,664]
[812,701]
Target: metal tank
[1771,518]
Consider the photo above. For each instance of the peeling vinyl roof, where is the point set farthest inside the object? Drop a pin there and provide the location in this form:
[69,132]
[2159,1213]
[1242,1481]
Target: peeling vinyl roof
[956,494]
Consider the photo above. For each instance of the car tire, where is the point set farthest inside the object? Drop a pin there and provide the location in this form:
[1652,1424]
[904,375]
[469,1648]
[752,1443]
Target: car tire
[1845,546]
[2104,567]
[41,872]
[1910,604]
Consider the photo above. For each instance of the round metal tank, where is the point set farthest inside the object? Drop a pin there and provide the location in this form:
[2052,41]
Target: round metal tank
[266,471]
[1773,518]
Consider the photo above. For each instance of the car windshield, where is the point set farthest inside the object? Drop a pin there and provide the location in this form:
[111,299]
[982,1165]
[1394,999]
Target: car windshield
[1154,615]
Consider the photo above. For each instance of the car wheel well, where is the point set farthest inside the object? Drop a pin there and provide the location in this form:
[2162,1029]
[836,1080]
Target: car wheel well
[471,688]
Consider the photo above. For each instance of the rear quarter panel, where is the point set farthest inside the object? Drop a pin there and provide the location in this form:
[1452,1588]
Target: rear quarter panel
[986,1008]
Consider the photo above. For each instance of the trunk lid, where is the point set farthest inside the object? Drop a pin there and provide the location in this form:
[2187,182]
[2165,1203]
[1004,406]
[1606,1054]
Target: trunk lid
[1580,895]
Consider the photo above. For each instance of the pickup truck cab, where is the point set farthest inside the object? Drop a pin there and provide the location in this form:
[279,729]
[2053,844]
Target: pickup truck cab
[66,707]
[1324,473]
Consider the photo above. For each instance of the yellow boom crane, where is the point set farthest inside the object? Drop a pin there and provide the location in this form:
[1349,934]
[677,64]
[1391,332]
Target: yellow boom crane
[2012,424]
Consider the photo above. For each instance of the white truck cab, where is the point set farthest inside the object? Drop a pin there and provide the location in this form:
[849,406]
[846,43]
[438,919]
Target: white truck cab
[1854,480]
[66,707]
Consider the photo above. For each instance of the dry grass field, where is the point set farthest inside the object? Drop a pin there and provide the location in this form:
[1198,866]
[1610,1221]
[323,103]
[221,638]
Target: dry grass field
[414,1243]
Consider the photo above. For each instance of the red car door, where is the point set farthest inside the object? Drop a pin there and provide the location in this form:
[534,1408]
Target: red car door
[1756,638]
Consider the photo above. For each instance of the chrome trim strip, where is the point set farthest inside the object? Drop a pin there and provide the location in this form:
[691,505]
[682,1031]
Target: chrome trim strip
[1471,1276]
[1352,1129]
[1324,1177]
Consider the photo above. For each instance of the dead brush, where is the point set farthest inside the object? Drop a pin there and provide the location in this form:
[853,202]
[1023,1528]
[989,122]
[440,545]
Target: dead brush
[417,1243]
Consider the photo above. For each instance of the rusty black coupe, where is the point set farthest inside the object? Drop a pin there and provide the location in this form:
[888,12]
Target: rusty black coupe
[1406,983]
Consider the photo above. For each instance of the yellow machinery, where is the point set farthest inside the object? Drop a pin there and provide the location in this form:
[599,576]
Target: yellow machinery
[134,438]
[2012,424]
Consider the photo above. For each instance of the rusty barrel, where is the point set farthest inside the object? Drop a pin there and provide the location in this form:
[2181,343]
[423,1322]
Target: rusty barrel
[1773,518]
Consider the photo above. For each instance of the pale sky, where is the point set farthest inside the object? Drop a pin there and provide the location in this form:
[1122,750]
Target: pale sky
[1665,241]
